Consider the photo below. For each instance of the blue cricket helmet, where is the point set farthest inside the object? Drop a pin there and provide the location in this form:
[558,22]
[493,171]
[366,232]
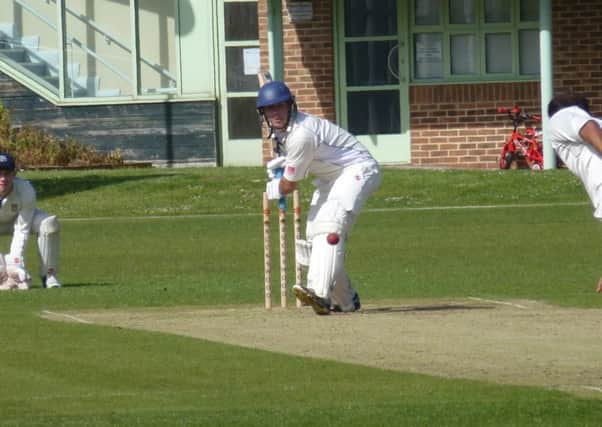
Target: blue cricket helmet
[273,93]
[7,162]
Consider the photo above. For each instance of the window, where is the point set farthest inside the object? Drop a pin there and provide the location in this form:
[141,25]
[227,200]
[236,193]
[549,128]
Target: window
[241,40]
[157,46]
[371,49]
[474,40]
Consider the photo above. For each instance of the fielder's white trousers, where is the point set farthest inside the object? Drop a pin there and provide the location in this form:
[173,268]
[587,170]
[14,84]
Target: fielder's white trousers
[586,163]
[48,252]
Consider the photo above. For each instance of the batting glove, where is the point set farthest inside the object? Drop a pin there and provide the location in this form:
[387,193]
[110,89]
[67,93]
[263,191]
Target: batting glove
[272,189]
[274,165]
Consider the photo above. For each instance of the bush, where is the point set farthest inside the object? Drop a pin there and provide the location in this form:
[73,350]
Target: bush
[32,147]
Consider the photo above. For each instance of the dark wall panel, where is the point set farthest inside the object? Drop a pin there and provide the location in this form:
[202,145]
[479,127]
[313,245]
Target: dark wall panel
[177,132]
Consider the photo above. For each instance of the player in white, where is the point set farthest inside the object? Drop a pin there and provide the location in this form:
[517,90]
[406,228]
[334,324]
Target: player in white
[20,217]
[345,175]
[577,139]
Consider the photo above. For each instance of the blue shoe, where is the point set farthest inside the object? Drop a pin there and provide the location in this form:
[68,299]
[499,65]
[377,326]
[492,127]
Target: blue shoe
[307,296]
[356,305]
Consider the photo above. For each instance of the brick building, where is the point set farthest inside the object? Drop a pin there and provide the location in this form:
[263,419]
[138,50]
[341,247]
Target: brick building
[174,81]
[450,110]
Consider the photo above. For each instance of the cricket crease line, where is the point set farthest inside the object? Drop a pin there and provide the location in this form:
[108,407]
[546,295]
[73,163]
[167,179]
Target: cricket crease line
[67,316]
[592,388]
[400,209]
[445,208]
[492,301]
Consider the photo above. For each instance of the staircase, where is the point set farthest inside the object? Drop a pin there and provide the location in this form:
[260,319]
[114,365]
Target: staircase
[41,64]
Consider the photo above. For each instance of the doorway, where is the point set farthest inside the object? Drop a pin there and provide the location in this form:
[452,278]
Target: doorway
[372,74]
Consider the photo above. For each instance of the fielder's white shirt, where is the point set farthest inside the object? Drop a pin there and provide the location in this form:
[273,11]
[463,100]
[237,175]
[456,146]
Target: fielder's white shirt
[18,208]
[315,146]
[577,154]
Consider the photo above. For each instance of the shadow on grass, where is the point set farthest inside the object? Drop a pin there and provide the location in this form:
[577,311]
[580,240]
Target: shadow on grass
[87,285]
[434,307]
[52,187]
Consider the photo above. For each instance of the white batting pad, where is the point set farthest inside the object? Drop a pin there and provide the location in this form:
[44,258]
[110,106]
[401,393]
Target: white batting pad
[302,252]
[329,217]
[326,263]
[342,292]
[48,245]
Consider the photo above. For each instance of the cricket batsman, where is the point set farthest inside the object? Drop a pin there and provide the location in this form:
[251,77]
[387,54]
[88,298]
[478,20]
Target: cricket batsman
[345,175]
[20,217]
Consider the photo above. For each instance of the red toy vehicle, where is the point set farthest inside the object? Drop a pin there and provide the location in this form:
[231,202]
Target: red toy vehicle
[522,146]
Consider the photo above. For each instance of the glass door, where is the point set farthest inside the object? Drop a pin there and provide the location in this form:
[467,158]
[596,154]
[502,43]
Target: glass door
[372,75]
[239,53]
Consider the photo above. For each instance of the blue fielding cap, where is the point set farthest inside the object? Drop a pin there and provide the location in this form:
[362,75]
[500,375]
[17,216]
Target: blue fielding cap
[7,162]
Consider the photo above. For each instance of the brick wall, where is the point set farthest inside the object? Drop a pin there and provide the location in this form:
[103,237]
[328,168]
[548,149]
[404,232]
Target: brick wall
[458,125]
[577,47]
[451,125]
[308,58]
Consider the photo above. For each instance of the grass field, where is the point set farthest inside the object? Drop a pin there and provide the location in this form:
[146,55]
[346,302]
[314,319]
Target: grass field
[173,238]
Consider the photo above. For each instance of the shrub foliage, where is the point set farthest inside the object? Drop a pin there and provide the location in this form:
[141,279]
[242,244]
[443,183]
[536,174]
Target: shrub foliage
[33,147]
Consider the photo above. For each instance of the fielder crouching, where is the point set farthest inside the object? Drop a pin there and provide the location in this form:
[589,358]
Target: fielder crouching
[20,217]
[345,175]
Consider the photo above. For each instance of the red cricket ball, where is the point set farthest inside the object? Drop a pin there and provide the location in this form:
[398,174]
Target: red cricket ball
[332,238]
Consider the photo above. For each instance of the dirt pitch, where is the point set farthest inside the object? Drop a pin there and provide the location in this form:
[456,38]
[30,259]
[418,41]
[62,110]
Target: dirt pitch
[507,342]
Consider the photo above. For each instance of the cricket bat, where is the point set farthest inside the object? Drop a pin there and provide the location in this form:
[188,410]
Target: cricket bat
[264,77]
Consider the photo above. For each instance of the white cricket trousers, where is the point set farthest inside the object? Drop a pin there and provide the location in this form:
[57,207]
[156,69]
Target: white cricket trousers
[48,242]
[347,192]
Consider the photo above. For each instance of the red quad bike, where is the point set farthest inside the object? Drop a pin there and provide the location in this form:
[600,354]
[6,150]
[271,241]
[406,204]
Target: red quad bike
[522,146]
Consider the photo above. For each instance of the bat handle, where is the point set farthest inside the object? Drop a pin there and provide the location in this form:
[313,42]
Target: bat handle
[282,201]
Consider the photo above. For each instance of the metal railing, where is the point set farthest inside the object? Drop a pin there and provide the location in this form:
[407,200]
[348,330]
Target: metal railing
[109,39]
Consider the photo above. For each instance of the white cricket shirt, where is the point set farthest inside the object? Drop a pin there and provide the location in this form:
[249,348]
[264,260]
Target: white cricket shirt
[315,146]
[578,155]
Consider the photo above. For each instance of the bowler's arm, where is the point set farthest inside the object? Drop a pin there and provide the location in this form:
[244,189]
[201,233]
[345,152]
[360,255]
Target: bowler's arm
[592,134]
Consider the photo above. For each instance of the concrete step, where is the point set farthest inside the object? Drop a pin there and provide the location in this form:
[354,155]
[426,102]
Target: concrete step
[16,54]
[53,80]
[26,52]
[76,92]
[39,68]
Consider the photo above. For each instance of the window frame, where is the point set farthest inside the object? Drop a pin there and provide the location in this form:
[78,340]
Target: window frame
[479,29]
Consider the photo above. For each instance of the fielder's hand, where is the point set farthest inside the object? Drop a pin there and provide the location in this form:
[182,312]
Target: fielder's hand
[272,189]
[15,276]
[275,164]
[599,289]
[14,261]
[19,274]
